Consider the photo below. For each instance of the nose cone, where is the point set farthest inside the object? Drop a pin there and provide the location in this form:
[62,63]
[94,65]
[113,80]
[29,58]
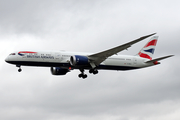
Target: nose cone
[7,59]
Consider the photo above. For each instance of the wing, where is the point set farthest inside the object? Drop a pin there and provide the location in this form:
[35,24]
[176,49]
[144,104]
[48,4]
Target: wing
[96,59]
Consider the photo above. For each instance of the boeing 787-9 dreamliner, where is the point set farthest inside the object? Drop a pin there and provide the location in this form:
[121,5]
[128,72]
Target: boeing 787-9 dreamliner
[62,62]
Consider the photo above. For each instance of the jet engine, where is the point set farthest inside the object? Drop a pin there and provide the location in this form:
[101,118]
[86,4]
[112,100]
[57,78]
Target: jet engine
[58,71]
[79,60]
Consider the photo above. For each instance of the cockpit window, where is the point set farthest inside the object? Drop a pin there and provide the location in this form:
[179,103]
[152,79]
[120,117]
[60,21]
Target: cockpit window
[13,54]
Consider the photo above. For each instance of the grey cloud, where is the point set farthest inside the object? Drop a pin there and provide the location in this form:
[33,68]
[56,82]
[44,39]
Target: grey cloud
[89,26]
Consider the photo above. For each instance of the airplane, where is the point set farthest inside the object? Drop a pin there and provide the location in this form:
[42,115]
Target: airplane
[62,62]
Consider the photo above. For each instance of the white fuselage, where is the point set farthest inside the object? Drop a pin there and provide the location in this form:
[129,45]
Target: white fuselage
[61,62]
[62,59]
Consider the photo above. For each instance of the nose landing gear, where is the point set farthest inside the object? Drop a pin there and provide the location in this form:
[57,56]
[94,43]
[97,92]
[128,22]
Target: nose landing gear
[19,70]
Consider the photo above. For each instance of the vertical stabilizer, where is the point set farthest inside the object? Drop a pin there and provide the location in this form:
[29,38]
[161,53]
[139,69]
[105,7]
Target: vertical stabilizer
[148,50]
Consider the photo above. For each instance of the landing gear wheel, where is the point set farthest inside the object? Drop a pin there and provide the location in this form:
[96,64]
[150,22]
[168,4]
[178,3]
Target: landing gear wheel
[84,76]
[19,70]
[80,75]
[94,71]
[91,70]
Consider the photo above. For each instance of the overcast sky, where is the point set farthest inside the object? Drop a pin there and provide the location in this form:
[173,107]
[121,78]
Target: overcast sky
[89,26]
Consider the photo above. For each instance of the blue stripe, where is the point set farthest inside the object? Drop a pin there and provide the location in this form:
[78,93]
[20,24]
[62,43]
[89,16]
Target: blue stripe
[150,50]
[20,54]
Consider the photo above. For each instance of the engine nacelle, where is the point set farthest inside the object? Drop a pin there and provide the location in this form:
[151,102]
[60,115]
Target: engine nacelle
[58,71]
[79,60]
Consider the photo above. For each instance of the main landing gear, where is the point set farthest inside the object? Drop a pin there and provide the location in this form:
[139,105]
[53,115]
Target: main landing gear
[94,71]
[82,75]
[19,70]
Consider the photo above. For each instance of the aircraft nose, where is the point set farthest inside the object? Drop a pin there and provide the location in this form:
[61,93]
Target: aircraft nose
[7,59]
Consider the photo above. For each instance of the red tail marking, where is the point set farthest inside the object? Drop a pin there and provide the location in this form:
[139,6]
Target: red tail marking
[153,42]
[144,56]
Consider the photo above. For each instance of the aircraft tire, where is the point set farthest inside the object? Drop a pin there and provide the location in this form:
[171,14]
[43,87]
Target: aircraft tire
[84,76]
[91,71]
[95,72]
[80,75]
[19,70]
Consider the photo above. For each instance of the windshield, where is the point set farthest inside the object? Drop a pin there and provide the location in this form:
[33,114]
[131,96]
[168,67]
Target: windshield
[13,54]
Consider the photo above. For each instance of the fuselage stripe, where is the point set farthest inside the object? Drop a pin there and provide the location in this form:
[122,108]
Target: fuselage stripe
[20,53]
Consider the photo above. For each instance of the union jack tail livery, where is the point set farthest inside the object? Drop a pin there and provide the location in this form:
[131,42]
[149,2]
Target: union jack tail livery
[148,50]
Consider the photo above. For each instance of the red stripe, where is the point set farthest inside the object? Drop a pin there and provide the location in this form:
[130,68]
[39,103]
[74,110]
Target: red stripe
[153,43]
[144,56]
[26,52]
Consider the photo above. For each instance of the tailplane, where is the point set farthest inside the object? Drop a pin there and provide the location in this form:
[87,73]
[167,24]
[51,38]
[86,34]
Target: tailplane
[148,50]
[155,61]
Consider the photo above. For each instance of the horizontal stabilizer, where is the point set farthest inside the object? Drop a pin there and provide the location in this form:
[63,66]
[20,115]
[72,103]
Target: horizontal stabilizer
[158,59]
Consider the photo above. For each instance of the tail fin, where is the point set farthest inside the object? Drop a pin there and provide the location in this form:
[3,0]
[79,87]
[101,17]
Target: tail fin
[148,50]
